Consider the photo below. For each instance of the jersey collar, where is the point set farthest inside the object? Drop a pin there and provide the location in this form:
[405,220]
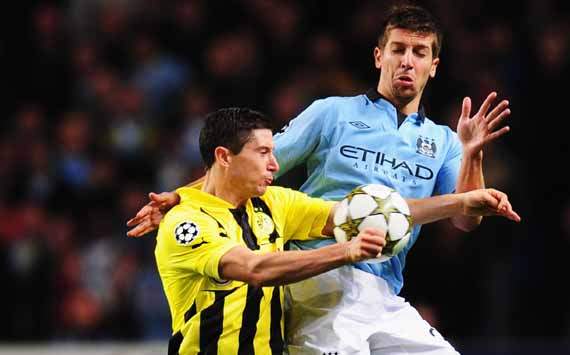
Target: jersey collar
[373,95]
[193,193]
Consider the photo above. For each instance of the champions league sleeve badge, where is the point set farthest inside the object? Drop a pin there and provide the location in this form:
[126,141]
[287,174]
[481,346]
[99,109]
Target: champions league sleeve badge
[185,232]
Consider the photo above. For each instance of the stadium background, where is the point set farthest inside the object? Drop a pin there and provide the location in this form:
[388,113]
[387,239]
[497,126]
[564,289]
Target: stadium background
[102,103]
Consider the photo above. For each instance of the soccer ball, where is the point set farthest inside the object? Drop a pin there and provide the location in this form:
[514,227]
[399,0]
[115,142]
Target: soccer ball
[376,206]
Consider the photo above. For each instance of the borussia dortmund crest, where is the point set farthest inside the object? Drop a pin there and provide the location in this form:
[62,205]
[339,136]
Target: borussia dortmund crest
[264,223]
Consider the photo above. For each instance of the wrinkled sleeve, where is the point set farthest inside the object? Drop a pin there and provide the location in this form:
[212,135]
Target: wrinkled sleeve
[192,242]
[299,138]
[449,172]
[304,217]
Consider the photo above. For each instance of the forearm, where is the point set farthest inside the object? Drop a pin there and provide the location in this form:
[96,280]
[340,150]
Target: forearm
[283,267]
[435,208]
[470,178]
[471,173]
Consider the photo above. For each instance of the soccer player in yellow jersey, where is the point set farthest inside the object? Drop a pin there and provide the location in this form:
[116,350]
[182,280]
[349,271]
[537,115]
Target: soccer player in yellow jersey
[220,252]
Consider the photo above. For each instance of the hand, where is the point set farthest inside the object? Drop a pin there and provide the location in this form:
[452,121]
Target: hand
[148,218]
[489,202]
[368,244]
[475,132]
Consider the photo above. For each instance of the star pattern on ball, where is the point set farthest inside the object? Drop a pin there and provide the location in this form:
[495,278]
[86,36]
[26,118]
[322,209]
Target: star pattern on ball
[186,232]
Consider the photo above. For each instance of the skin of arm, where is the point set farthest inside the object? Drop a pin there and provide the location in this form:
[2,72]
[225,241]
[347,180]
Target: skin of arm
[280,268]
[470,178]
[291,266]
[475,132]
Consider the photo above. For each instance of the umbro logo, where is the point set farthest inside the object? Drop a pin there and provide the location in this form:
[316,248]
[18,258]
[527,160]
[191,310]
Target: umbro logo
[359,124]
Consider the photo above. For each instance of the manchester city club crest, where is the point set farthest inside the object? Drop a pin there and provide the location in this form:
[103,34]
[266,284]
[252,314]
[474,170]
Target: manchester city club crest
[426,146]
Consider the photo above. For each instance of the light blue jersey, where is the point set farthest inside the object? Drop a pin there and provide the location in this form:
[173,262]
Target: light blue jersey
[349,141]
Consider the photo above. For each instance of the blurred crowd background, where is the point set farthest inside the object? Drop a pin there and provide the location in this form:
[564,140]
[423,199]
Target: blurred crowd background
[103,102]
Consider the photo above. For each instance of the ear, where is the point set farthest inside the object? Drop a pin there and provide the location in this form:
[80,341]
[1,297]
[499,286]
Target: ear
[377,57]
[223,156]
[433,68]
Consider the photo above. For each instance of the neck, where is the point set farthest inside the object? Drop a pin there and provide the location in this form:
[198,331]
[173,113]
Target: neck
[402,104]
[216,183]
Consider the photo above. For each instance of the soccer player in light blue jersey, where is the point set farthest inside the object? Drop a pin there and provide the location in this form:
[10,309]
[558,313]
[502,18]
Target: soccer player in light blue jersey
[385,137]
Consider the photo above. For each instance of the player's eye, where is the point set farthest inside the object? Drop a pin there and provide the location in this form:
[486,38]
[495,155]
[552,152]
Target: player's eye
[421,53]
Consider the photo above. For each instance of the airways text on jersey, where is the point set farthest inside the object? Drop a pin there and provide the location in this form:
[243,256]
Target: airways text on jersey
[379,162]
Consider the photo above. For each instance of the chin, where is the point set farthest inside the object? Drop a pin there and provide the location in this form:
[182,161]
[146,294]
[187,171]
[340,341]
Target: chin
[260,190]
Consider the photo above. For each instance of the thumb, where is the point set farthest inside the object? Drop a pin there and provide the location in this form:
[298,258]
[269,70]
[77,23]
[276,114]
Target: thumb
[154,197]
[466,108]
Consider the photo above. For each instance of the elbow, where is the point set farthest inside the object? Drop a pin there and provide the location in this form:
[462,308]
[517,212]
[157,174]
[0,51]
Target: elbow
[256,276]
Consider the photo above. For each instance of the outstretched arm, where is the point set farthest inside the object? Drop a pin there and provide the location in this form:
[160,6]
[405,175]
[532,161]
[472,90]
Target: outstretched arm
[476,132]
[280,268]
[476,203]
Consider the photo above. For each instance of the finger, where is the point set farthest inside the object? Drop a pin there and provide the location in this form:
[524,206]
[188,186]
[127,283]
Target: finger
[512,215]
[372,249]
[466,108]
[140,230]
[158,198]
[486,104]
[493,123]
[491,137]
[515,216]
[133,221]
[501,107]
[140,216]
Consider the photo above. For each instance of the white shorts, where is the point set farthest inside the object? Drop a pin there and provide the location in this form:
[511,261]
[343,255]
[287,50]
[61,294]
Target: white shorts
[349,311]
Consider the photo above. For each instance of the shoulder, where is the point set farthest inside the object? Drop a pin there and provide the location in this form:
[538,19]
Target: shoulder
[282,198]
[185,223]
[274,194]
[336,102]
[442,130]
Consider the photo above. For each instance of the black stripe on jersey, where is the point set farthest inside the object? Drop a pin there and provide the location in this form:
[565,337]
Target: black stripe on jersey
[241,217]
[190,313]
[212,323]
[249,320]
[222,229]
[276,337]
[259,203]
[174,343]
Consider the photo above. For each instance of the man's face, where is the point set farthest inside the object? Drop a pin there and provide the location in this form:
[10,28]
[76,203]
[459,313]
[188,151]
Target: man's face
[406,64]
[252,169]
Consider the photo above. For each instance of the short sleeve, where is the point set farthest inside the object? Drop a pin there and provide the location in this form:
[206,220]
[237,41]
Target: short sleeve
[299,138]
[449,172]
[304,217]
[191,242]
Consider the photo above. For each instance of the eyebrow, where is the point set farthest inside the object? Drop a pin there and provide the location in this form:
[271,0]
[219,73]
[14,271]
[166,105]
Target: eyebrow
[421,45]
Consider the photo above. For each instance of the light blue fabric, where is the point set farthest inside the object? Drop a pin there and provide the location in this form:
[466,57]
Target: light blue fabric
[350,141]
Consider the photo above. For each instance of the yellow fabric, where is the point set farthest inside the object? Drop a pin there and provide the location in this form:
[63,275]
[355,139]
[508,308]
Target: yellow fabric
[188,266]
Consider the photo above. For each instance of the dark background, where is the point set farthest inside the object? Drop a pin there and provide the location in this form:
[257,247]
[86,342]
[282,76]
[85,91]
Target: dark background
[102,103]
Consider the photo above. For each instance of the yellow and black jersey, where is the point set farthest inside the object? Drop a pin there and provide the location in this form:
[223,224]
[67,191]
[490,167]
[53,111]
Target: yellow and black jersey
[215,316]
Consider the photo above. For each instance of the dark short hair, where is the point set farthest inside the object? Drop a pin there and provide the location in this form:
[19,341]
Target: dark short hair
[414,18]
[230,128]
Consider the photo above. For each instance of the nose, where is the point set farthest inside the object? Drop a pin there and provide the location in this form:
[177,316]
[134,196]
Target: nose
[407,59]
[273,165]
